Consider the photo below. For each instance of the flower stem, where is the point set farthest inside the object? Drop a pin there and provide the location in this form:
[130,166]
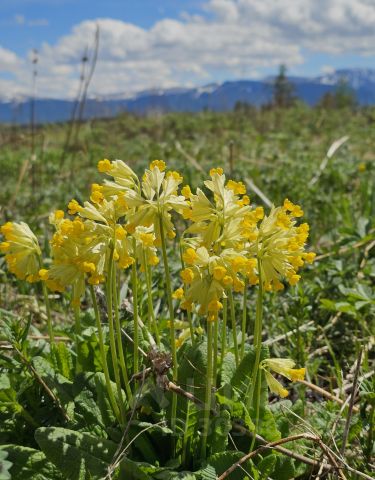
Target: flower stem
[103,355]
[49,318]
[234,331]
[171,319]
[191,327]
[112,340]
[207,403]
[244,318]
[224,332]
[257,347]
[124,370]
[150,309]
[135,311]
[215,347]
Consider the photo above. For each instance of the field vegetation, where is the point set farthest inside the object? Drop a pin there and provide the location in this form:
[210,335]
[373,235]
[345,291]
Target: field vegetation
[124,370]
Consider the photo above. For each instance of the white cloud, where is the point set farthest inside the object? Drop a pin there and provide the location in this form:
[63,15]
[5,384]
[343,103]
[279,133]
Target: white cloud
[8,60]
[233,39]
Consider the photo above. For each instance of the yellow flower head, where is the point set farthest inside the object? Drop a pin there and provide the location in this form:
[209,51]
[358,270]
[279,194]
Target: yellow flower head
[74,207]
[190,256]
[285,367]
[187,275]
[178,294]
[280,246]
[216,171]
[160,164]
[186,191]
[237,187]
[104,166]
[22,251]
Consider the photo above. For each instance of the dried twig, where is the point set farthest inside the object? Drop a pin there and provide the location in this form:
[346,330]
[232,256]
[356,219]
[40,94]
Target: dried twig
[270,445]
[324,393]
[351,403]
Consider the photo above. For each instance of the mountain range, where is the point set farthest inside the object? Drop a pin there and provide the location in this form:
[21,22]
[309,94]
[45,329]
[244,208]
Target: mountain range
[216,97]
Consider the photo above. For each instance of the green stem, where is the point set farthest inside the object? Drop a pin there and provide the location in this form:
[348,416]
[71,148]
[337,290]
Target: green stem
[191,327]
[244,318]
[135,311]
[112,340]
[215,346]
[124,370]
[150,308]
[77,317]
[224,332]
[207,404]
[49,319]
[234,331]
[103,355]
[171,319]
[48,309]
[257,341]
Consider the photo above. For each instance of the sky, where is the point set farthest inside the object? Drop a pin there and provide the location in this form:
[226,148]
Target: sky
[152,44]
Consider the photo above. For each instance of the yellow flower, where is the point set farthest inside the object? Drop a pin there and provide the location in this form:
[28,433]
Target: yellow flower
[22,251]
[285,367]
[73,207]
[187,275]
[275,386]
[216,171]
[160,164]
[155,201]
[237,187]
[280,246]
[219,273]
[176,175]
[104,166]
[186,191]
[282,366]
[96,193]
[309,257]
[189,256]
[178,294]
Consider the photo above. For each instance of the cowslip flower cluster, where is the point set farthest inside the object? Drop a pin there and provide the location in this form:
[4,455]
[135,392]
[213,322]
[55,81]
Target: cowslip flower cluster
[234,245]
[22,251]
[228,244]
[122,223]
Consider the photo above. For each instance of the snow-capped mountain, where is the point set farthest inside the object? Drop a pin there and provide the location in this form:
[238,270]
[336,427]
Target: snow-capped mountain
[216,97]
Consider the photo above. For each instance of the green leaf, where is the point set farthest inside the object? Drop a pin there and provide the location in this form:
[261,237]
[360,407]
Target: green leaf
[59,385]
[284,469]
[207,473]
[228,368]
[63,360]
[220,426]
[5,465]
[4,382]
[243,373]
[79,456]
[222,461]
[30,464]
[266,466]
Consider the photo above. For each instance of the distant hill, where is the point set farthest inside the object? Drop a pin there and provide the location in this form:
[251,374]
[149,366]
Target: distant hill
[216,97]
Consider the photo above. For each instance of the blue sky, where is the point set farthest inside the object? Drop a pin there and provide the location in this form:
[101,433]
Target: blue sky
[151,43]
[26,24]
